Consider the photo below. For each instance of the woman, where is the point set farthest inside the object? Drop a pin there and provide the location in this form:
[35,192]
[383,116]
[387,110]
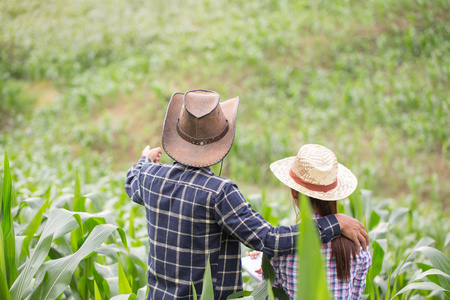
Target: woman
[315,172]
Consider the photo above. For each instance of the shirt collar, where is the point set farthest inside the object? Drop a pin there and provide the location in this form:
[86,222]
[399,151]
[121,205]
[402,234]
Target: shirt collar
[205,169]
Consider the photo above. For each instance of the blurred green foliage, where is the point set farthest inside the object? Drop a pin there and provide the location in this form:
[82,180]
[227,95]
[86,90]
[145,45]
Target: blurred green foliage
[367,79]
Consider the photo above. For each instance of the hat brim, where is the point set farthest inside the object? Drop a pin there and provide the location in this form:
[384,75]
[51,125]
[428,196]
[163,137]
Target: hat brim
[346,181]
[194,155]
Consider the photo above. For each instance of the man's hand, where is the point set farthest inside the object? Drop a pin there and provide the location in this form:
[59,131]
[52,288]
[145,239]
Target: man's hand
[354,230]
[153,154]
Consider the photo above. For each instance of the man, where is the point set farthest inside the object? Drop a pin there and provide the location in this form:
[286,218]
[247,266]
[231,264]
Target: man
[192,214]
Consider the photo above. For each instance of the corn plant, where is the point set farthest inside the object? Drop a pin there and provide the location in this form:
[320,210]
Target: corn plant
[400,268]
[62,253]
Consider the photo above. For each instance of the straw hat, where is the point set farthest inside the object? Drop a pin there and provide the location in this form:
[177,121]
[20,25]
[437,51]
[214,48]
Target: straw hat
[199,129]
[316,172]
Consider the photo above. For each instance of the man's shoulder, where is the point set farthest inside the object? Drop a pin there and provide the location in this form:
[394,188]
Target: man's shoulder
[198,177]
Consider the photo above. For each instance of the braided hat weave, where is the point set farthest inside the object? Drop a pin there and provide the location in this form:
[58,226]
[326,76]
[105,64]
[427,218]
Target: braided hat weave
[316,172]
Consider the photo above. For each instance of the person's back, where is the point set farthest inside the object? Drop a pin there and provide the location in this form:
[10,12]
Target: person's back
[183,231]
[286,267]
[316,173]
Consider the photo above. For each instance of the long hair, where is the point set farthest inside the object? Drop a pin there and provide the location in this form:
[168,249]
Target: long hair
[342,248]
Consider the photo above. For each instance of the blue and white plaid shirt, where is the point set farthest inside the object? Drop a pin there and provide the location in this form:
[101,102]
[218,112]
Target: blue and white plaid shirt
[193,214]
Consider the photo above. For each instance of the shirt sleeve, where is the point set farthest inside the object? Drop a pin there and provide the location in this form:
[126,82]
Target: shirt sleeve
[236,217]
[132,183]
[328,228]
[363,265]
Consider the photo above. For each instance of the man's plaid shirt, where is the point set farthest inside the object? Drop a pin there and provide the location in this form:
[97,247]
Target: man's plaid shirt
[193,214]
[286,274]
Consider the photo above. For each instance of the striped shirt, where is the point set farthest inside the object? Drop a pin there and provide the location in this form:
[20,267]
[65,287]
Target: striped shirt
[193,214]
[286,274]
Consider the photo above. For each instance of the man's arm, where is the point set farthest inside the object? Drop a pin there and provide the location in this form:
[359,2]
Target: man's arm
[236,217]
[132,183]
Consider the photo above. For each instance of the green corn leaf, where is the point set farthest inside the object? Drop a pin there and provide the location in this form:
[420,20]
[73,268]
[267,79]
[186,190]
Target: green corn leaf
[85,278]
[267,269]
[97,295]
[427,286]
[7,225]
[1,200]
[58,273]
[141,293]
[279,293]
[79,204]
[260,291]
[131,230]
[99,281]
[397,214]
[194,290]
[77,188]
[125,297]
[124,285]
[374,219]
[356,206]
[32,227]
[425,241]
[431,272]
[439,261]
[379,247]
[269,275]
[10,259]
[6,192]
[108,275]
[238,295]
[4,290]
[377,260]
[59,223]
[425,268]
[243,298]
[388,290]
[270,295]
[112,249]
[76,236]
[2,255]
[208,289]
[312,281]
[437,258]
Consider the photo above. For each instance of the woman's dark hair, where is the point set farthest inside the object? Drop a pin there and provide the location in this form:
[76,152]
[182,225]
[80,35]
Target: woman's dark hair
[342,248]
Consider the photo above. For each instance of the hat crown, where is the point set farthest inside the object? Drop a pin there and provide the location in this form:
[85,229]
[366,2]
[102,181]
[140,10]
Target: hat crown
[316,164]
[201,116]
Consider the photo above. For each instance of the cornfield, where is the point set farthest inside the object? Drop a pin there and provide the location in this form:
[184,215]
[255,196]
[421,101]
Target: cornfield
[84,87]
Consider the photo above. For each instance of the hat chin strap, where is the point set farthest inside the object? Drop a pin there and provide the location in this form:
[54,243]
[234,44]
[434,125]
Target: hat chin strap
[311,186]
[204,141]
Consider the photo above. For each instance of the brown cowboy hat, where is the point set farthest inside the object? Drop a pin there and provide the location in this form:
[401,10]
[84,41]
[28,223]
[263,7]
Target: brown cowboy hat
[199,129]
